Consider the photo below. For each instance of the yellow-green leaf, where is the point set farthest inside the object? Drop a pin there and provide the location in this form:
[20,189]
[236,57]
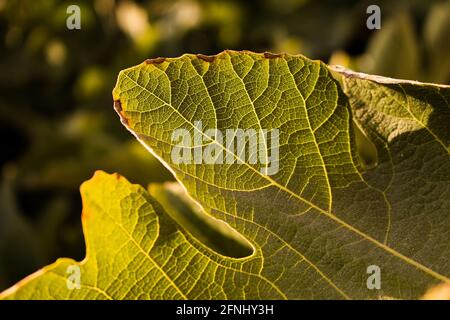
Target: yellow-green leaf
[135,251]
[319,226]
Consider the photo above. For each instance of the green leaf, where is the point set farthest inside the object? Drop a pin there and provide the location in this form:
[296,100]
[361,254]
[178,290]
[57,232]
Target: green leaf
[135,251]
[316,225]
[321,220]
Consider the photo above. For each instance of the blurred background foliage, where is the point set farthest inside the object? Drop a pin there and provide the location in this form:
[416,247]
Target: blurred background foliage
[56,118]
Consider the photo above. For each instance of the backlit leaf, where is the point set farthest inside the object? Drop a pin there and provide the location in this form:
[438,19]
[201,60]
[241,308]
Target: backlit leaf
[318,225]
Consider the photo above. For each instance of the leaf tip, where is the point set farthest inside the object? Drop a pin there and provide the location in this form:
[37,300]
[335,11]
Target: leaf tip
[99,177]
[100,174]
[439,292]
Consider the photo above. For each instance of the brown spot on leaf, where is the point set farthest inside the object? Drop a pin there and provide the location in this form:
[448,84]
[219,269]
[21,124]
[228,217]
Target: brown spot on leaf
[270,55]
[155,60]
[119,110]
[117,175]
[205,57]
[118,105]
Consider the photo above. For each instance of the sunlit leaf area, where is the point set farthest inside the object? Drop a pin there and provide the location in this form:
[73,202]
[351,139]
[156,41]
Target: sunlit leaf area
[87,177]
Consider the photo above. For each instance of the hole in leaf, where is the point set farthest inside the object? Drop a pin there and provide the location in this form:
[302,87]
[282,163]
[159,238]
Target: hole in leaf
[367,151]
[213,233]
